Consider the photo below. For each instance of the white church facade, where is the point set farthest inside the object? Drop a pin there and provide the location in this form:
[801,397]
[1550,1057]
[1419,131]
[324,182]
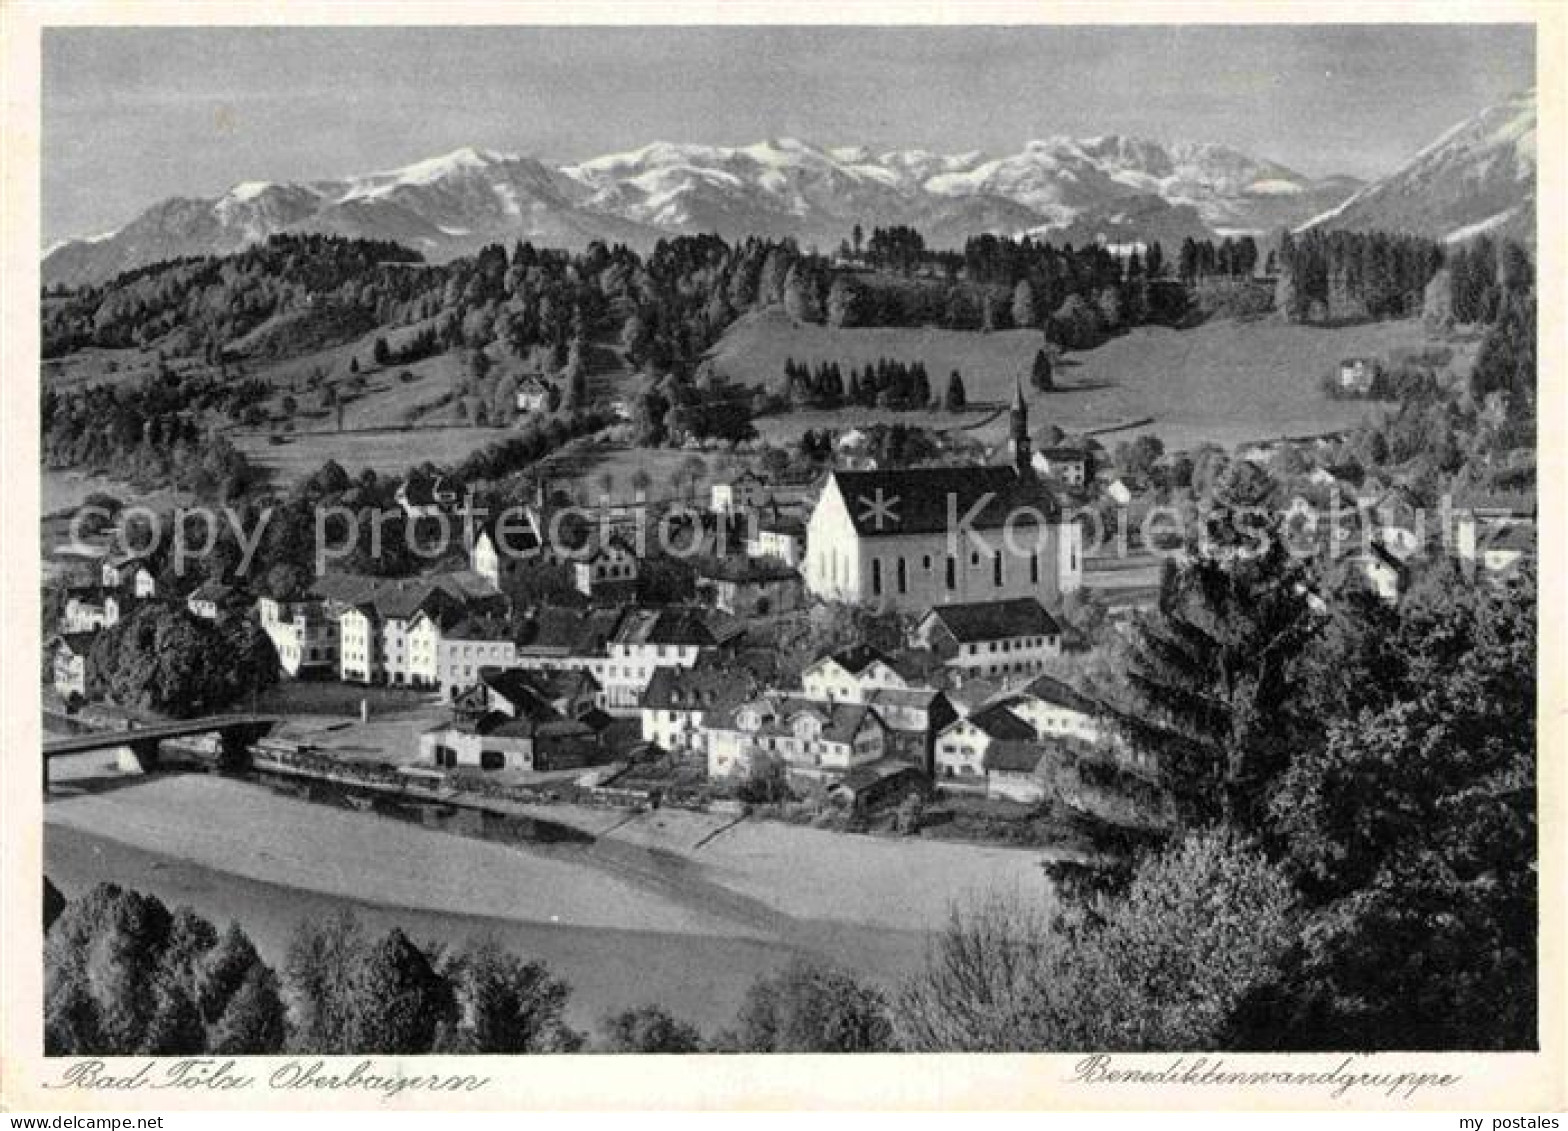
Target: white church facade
[917,538]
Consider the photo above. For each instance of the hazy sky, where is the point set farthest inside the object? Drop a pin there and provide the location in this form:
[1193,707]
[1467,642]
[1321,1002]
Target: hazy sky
[134,115]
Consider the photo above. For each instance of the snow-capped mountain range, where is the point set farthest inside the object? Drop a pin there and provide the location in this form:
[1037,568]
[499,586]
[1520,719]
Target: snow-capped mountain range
[1065,189]
[1478,177]
[1112,188]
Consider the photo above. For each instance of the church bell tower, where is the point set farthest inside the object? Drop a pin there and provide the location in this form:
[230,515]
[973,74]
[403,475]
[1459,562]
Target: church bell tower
[1018,443]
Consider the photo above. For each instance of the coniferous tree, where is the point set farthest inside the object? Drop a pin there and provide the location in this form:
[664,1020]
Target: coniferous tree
[954,400]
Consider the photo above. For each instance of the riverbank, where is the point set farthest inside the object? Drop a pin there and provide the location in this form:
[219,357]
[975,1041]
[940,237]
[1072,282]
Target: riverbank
[664,906]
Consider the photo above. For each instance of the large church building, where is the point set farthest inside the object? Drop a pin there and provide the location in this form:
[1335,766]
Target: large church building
[917,538]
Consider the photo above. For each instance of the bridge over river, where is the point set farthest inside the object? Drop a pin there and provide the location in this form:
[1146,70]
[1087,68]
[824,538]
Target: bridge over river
[234,733]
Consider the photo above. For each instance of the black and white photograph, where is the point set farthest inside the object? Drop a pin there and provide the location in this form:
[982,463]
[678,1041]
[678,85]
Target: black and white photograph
[769,539]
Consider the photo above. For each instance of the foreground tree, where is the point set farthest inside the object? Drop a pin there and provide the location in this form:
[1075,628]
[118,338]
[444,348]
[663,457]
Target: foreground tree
[508,1006]
[1209,677]
[649,1029]
[807,1007]
[1411,829]
[124,977]
[1162,966]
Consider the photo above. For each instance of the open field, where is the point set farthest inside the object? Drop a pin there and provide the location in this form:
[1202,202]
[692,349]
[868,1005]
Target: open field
[1226,381]
[755,348]
[386,453]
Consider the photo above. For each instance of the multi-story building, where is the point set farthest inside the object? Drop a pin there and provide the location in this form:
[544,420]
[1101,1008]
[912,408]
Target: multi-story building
[677,701]
[69,664]
[649,639]
[374,624]
[303,633]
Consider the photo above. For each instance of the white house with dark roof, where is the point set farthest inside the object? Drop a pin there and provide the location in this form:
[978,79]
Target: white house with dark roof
[676,702]
[610,570]
[916,538]
[850,674]
[210,599]
[1066,464]
[815,739]
[533,396]
[778,535]
[648,639]
[1058,710]
[994,639]
[739,491]
[959,758]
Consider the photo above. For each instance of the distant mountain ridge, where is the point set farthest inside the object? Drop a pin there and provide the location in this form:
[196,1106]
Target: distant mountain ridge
[1478,177]
[1109,188]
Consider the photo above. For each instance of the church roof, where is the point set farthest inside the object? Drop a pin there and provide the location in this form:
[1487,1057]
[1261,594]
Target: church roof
[927,500]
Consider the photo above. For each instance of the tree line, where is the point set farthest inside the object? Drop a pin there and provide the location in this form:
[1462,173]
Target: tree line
[1338,276]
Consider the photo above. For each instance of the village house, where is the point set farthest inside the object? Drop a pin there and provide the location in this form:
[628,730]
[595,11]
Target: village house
[69,664]
[1057,710]
[609,572]
[303,634]
[1381,570]
[533,396]
[813,739]
[778,535]
[1017,771]
[1399,520]
[210,599]
[913,539]
[749,587]
[649,639]
[1356,375]
[961,746]
[506,545]
[91,608]
[1504,552]
[997,639]
[468,646]
[850,674]
[899,690]
[738,492]
[678,700]
[507,722]
[1067,465]
[129,572]
[556,638]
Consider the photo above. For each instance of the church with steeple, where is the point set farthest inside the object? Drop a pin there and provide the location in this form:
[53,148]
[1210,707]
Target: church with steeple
[916,538]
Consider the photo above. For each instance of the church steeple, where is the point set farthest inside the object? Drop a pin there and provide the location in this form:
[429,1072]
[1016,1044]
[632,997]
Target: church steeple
[1019,436]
